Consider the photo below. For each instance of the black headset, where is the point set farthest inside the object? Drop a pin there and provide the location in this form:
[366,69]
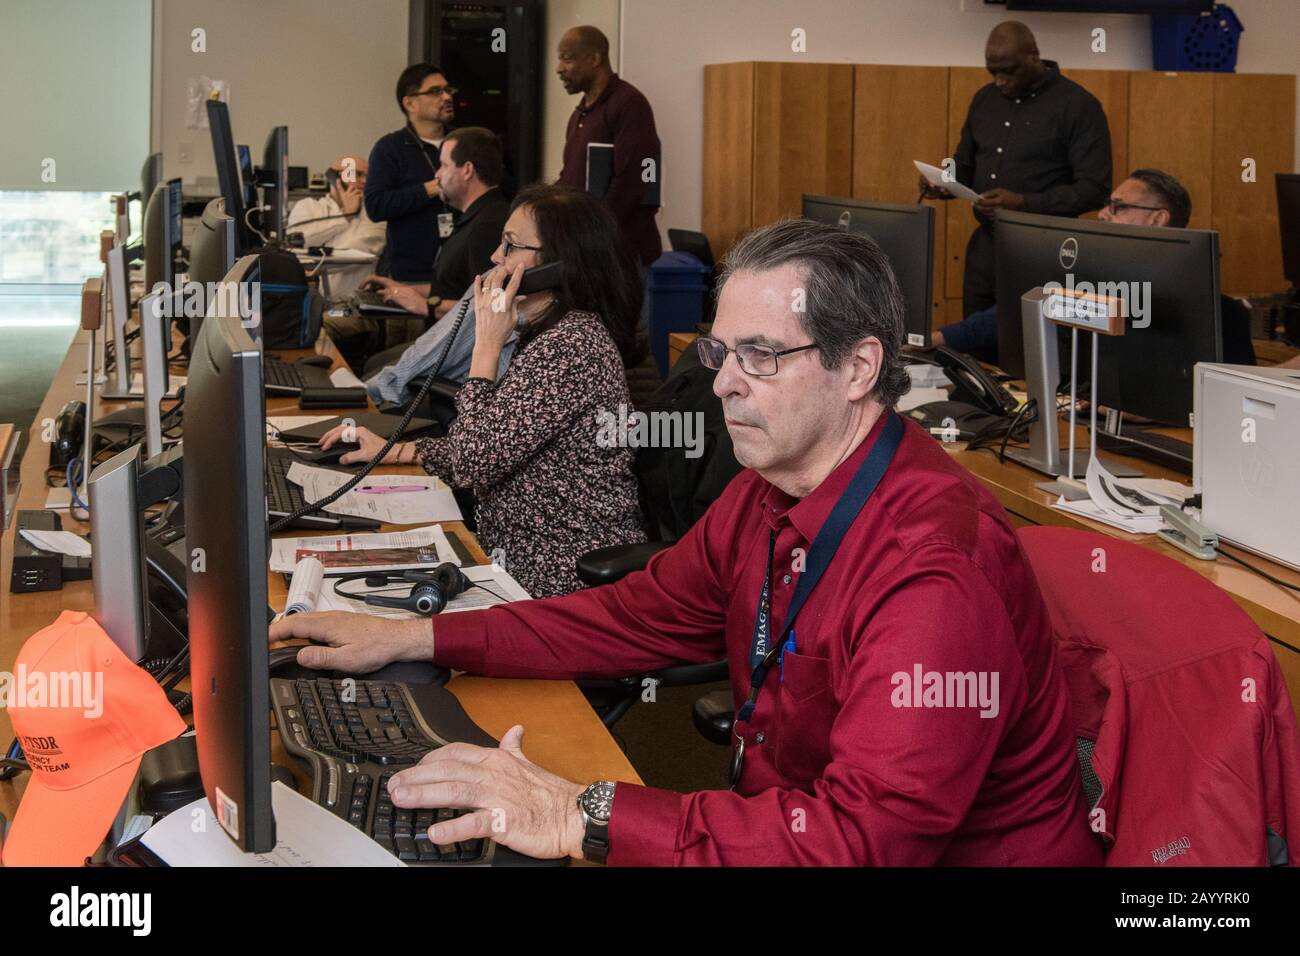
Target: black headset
[430,590]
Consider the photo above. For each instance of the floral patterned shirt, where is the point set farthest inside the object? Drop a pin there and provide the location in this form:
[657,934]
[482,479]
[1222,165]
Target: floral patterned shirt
[548,491]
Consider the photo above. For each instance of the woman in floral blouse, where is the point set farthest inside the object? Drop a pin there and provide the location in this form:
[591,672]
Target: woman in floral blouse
[548,490]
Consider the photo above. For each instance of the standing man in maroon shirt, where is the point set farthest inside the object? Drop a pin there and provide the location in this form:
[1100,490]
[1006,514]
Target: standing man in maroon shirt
[916,713]
[611,111]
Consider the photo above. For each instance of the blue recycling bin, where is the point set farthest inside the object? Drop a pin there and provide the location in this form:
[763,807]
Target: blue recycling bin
[1196,42]
[675,291]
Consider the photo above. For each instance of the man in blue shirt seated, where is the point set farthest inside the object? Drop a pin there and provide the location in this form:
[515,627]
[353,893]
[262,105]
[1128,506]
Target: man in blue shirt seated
[1148,197]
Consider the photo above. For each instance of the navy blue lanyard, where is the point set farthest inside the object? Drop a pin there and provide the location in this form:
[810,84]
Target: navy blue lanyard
[763,654]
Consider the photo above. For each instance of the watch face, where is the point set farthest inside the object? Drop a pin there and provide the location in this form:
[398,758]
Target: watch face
[598,801]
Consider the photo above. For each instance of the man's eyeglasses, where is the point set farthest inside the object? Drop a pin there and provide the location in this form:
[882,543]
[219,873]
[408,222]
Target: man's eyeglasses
[508,247]
[754,359]
[1117,206]
[438,91]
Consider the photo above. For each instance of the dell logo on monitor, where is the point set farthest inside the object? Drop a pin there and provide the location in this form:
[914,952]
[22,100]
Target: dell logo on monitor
[1069,252]
[844,220]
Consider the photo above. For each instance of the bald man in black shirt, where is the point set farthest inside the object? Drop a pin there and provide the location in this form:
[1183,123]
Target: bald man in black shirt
[1033,141]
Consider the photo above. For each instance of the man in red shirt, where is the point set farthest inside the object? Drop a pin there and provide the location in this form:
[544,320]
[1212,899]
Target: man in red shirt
[612,111]
[916,712]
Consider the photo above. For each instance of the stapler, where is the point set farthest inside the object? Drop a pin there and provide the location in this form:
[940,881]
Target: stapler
[1187,533]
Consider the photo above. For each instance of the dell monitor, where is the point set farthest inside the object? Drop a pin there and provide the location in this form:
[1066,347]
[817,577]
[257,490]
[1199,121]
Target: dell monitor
[229,180]
[226,527]
[906,235]
[162,235]
[275,181]
[1288,221]
[1169,276]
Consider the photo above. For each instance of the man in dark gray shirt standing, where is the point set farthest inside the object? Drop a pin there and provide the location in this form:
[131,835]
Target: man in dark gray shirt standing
[1033,141]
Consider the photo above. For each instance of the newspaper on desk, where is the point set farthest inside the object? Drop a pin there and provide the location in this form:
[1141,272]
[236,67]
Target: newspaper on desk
[310,590]
[285,551]
[434,503]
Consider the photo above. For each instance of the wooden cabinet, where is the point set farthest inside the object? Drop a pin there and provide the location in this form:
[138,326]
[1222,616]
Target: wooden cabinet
[900,113]
[774,131]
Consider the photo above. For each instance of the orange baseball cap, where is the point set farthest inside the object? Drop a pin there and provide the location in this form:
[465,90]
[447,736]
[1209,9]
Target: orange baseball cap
[83,735]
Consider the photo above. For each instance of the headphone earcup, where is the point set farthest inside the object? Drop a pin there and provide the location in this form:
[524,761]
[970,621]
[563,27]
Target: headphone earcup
[451,579]
[426,599]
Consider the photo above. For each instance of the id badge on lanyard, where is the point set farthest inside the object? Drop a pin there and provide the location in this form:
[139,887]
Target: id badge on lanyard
[764,651]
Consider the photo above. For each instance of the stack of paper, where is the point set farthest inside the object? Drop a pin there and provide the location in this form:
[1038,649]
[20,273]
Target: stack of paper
[1130,504]
[415,499]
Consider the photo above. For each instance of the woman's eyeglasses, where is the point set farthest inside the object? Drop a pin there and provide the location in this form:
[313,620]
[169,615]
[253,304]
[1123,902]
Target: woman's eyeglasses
[754,359]
[508,247]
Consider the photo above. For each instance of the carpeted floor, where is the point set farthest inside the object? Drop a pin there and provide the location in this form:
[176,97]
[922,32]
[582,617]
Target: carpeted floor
[35,331]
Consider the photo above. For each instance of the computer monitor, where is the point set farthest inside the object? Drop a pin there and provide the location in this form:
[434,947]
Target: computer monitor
[275,181]
[213,251]
[248,175]
[1170,276]
[226,530]
[229,180]
[162,235]
[1288,221]
[151,174]
[906,234]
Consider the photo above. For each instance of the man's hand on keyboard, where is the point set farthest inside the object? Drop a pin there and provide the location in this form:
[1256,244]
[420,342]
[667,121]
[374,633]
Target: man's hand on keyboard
[516,802]
[356,643]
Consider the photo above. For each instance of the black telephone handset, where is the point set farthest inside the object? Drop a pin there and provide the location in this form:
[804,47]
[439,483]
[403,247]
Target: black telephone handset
[972,382]
[69,434]
[540,278]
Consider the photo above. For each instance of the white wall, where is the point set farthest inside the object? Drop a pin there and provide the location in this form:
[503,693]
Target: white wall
[324,68]
[666,43]
[75,76]
[557,105]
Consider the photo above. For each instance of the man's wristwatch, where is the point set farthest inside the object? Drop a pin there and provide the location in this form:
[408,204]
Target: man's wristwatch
[595,804]
[433,302]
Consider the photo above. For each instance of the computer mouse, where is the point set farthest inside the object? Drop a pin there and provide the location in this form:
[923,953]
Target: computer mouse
[331,455]
[320,361]
[283,663]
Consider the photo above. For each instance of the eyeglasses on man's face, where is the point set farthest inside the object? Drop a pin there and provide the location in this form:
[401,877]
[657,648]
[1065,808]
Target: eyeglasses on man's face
[1117,206]
[438,91]
[754,359]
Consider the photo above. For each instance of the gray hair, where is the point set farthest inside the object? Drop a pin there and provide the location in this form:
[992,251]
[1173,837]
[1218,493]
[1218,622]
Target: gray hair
[850,292]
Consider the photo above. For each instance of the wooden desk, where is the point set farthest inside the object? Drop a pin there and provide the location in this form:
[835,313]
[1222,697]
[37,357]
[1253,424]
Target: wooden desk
[563,733]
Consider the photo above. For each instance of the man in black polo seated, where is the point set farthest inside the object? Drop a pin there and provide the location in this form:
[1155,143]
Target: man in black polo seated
[470,177]
[1033,141]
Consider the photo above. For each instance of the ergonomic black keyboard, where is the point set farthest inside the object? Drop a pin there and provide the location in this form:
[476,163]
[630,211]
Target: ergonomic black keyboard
[278,376]
[284,497]
[353,735]
[370,302]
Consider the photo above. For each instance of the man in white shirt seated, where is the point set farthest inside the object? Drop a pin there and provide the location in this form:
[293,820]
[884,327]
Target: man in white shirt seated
[339,220]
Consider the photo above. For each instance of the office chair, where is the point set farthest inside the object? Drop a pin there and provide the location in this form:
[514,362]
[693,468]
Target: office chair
[675,491]
[1183,723]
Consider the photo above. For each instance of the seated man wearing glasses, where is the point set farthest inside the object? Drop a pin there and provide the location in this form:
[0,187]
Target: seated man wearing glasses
[1148,197]
[911,711]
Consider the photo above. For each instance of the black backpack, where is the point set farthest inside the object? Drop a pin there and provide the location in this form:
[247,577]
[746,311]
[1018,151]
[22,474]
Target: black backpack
[677,490]
[291,312]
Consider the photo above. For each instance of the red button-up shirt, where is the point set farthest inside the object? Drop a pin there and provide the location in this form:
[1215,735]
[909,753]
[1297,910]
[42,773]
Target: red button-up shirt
[869,753]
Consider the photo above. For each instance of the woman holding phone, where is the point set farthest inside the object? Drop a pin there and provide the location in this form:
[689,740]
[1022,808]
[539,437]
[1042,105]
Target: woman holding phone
[527,443]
